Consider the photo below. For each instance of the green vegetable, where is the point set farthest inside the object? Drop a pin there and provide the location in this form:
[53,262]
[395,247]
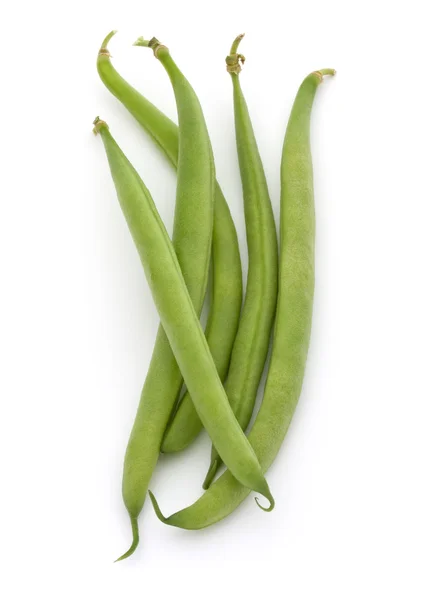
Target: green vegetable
[192,237]
[293,319]
[179,320]
[252,341]
[226,298]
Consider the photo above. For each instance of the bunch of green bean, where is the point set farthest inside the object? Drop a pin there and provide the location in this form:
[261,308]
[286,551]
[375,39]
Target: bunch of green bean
[221,367]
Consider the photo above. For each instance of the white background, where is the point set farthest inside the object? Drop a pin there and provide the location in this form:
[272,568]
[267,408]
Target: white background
[77,322]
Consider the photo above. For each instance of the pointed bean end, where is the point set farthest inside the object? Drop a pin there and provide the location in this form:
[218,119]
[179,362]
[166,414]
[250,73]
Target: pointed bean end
[265,491]
[156,508]
[210,474]
[135,542]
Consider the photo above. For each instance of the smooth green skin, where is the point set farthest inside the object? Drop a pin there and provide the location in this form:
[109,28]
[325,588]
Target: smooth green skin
[180,322]
[192,238]
[253,336]
[224,313]
[252,342]
[293,318]
[222,324]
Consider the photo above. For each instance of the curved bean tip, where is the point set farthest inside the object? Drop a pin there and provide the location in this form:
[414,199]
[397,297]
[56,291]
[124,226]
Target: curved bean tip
[103,51]
[156,508]
[234,60]
[135,542]
[270,507]
[331,72]
[236,43]
[322,72]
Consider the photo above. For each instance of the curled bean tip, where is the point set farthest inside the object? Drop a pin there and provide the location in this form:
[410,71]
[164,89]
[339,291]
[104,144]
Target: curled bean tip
[271,505]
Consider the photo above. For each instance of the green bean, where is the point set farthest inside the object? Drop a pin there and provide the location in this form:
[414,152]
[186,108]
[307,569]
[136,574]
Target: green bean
[243,463]
[252,341]
[293,318]
[192,237]
[179,318]
[226,299]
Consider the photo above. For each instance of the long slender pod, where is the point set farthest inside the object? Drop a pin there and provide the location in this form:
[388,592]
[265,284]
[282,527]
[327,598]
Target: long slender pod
[252,340]
[293,318]
[192,237]
[180,322]
[226,299]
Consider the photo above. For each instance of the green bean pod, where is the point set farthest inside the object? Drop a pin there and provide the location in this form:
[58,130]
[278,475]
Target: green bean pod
[180,322]
[192,237]
[253,336]
[226,300]
[293,317]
